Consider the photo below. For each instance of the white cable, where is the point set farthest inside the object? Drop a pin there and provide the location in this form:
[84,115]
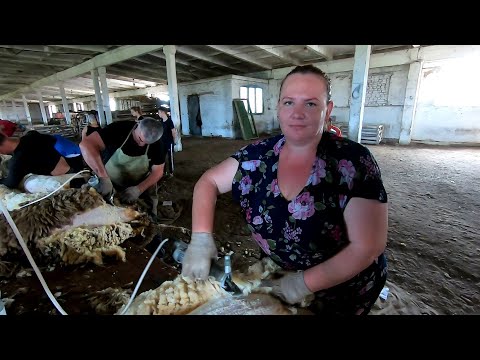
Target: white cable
[142,276]
[37,270]
[30,258]
[54,191]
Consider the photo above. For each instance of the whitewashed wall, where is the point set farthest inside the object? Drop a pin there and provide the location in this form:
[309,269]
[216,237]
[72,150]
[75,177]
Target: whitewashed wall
[433,122]
[215,96]
[384,98]
[264,121]
[216,106]
[18,113]
[384,103]
[436,119]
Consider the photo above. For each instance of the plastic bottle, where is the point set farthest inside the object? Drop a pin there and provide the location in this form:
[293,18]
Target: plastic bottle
[93,181]
[2,308]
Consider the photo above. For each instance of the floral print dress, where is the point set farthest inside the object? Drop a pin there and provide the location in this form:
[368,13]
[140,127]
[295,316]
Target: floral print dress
[310,229]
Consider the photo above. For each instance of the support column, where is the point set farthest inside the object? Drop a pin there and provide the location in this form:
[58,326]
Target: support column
[14,116]
[27,110]
[50,110]
[410,103]
[98,97]
[169,51]
[102,71]
[359,89]
[5,112]
[42,108]
[66,111]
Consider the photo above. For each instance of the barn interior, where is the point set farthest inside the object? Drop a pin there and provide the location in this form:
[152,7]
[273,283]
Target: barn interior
[414,107]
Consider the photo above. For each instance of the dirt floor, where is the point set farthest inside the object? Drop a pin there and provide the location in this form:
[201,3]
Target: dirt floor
[433,241]
[434,221]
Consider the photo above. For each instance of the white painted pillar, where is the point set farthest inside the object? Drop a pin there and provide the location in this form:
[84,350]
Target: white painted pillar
[102,71]
[410,103]
[27,110]
[66,111]
[169,51]
[42,108]
[98,97]
[14,116]
[359,89]
[92,105]
[4,112]
[50,110]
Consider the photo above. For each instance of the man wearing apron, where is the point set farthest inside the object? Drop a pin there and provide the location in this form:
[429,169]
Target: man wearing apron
[136,162]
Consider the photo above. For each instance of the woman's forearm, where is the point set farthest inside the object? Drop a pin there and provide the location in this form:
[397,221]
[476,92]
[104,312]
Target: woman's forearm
[203,208]
[341,267]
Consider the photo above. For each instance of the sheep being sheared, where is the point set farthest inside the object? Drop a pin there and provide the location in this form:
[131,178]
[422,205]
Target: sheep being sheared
[184,296]
[86,244]
[177,297]
[60,212]
[40,219]
[256,279]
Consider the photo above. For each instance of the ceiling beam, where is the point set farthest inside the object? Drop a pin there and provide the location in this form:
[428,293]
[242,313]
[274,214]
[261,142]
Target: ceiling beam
[70,91]
[188,64]
[122,94]
[281,54]
[158,71]
[323,51]
[244,57]
[34,69]
[94,48]
[108,58]
[39,48]
[129,79]
[207,58]
[139,76]
[137,69]
[154,66]
[35,55]
[37,61]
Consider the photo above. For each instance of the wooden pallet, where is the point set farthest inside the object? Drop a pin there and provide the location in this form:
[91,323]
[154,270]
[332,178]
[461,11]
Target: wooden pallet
[371,134]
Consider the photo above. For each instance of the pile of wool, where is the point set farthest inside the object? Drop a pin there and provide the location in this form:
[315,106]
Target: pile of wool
[251,280]
[109,300]
[258,277]
[4,160]
[86,244]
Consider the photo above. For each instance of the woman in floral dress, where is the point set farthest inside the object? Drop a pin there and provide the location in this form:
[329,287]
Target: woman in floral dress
[314,202]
